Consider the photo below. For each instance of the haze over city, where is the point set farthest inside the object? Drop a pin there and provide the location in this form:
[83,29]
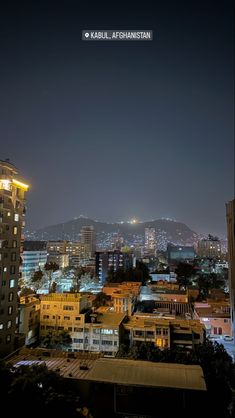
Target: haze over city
[120,130]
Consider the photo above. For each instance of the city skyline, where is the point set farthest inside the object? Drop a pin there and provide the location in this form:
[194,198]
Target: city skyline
[120,130]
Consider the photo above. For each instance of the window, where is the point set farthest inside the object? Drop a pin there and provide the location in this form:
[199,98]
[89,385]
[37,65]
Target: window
[67,318]
[96,331]
[95,342]
[158,331]
[225,321]
[115,343]
[68,308]
[165,331]
[50,327]
[8,213]
[106,342]
[13,256]
[10,310]
[78,318]
[106,331]
[8,338]
[13,269]
[11,296]
[15,230]
[149,334]
[14,243]
[9,324]
[12,283]
[70,329]
[1,325]
[78,340]
[46,316]
[78,329]
[138,333]
[16,217]
[4,269]
[60,328]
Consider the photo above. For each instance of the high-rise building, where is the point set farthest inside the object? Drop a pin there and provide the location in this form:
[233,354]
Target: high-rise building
[12,211]
[115,260]
[150,240]
[230,214]
[209,247]
[88,236]
[179,253]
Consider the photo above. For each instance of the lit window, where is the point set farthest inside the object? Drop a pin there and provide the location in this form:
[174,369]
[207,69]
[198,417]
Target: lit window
[14,243]
[16,217]
[10,310]
[8,213]
[1,326]
[12,283]
[15,230]
[9,324]
[8,338]
[5,269]
[11,296]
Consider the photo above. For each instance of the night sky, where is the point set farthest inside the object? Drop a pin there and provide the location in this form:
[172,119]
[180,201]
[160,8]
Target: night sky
[113,130]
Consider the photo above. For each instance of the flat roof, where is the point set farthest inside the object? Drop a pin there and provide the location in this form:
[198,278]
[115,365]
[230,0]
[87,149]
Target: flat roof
[120,371]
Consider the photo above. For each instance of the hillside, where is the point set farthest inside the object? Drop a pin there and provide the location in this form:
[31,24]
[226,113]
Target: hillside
[168,230]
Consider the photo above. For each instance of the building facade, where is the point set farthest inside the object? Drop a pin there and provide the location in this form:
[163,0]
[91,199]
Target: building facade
[34,258]
[115,260]
[150,240]
[88,236]
[29,318]
[12,212]
[230,214]
[209,247]
[179,253]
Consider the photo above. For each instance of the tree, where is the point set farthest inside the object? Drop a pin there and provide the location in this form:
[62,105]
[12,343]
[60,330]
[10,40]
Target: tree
[26,291]
[78,273]
[101,300]
[50,269]
[36,386]
[36,279]
[57,339]
[184,271]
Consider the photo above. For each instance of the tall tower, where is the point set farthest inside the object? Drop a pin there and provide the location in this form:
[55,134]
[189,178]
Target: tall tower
[230,214]
[88,236]
[150,240]
[12,212]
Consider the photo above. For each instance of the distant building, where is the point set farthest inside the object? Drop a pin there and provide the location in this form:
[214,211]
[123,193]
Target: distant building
[61,259]
[209,247]
[76,250]
[88,236]
[150,241]
[29,318]
[106,260]
[230,213]
[34,257]
[12,212]
[179,253]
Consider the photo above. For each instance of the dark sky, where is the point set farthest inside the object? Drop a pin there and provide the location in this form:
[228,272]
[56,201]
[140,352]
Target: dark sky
[114,130]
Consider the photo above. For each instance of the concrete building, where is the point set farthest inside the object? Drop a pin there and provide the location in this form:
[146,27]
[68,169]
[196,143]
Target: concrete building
[61,259]
[34,258]
[76,250]
[209,247]
[230,214]
[29,318]
[88,236]
[150,241]
[215,316]
[90,331]
[163,332]
[179,253]
[106,260]
[12,211]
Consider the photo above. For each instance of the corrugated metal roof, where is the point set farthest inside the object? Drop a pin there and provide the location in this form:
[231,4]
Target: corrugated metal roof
[144,373]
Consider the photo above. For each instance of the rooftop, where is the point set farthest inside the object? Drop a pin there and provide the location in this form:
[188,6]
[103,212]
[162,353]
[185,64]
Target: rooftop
[120,371]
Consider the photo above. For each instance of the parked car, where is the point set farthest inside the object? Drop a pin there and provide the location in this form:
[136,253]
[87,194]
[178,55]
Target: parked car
[228,338]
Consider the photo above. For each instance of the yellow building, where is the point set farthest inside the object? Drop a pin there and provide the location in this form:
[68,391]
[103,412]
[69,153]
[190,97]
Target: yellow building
[164,332]
[29,318]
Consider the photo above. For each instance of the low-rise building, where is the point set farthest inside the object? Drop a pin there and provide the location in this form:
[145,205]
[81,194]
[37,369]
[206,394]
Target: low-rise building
[215,316]
[165,332]
[29,318]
